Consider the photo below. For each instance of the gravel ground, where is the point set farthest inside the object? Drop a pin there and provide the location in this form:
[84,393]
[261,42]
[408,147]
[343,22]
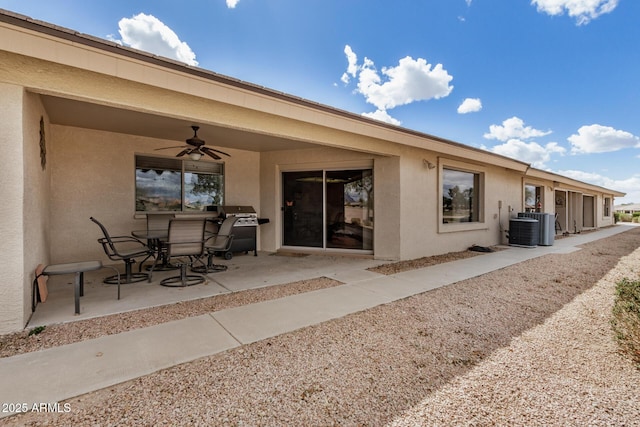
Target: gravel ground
[530,345]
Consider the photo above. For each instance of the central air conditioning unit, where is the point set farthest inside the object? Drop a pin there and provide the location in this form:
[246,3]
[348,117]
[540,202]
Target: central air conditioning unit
[524,232]
[547,226]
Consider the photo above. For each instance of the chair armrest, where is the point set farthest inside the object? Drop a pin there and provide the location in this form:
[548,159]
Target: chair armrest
[127,239]
[122,247]
[210,242]
[215,236]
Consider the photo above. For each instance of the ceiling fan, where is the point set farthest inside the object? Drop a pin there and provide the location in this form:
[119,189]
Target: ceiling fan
[195,148]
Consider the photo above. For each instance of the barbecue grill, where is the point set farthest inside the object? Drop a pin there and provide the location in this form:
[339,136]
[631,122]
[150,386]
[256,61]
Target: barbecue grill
[244,230]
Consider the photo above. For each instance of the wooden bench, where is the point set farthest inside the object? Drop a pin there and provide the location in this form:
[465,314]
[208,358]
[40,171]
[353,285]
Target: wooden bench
[77,268]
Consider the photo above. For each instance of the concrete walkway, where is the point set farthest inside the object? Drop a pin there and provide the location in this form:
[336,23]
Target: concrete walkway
[60,373]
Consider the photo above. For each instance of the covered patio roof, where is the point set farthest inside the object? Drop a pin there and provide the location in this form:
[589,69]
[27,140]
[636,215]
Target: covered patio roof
[89,115]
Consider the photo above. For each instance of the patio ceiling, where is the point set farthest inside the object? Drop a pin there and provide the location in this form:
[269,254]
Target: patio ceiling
[70,112]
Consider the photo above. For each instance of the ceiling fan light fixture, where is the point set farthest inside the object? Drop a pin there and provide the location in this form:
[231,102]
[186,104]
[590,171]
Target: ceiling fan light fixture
[195,155]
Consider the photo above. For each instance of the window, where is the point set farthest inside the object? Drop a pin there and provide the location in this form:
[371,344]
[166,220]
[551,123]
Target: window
[533,198]
[607,206]
[460,196]
[172,184]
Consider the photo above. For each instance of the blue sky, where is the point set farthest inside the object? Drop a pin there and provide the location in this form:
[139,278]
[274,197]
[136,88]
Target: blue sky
[555,83]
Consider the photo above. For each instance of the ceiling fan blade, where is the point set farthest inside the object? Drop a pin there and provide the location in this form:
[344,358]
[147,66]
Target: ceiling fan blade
[166,148]
[209,153]
[183,152]
[217,151]
[196,142]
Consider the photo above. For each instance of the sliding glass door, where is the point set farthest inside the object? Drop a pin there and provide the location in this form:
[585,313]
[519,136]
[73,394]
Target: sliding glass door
[302,205]
[328,209]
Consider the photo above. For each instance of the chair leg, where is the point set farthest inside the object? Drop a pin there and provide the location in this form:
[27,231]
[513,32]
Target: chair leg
[183,279]
[129,276]
[117,275]
[142,263]
[183,274]
[78,291]
[210,267]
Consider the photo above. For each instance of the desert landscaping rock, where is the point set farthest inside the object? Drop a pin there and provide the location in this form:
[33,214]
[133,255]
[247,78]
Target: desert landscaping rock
[529,344]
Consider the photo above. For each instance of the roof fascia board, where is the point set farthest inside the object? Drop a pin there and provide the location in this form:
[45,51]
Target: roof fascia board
[570,182]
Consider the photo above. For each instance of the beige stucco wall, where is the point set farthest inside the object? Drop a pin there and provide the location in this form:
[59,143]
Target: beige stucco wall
[93,175]
[407,212]
[25,208]
[388,208]
[386,191]
[12,269]
[36,198]
[423,234]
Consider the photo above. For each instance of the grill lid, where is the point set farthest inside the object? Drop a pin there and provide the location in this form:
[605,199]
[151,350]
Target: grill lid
[240,211]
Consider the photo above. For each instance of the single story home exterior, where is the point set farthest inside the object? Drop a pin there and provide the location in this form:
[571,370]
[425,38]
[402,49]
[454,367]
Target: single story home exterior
[628,209]
[83,120]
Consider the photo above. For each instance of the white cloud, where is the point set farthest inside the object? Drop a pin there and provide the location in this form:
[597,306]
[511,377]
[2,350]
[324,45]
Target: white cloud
[383,116]
[582,10]
[352,67]
[232,3]
[412,80]
[601,139]
[529,152]
[468,2]
[148,33]
[470,105]
[513,128]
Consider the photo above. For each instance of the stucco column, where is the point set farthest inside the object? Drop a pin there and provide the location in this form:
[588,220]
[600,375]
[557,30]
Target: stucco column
[12,279]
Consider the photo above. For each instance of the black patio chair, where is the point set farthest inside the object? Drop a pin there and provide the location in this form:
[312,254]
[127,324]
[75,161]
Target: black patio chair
[127,249]
[184,247]
[217,243]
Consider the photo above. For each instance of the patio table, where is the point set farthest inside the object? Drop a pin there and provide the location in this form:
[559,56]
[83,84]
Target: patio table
[154,240]
[77,268]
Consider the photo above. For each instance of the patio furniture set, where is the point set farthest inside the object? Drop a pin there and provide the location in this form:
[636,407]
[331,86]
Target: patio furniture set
[173,243]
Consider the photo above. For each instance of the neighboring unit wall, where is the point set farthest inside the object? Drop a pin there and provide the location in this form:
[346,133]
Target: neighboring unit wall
[577,207]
